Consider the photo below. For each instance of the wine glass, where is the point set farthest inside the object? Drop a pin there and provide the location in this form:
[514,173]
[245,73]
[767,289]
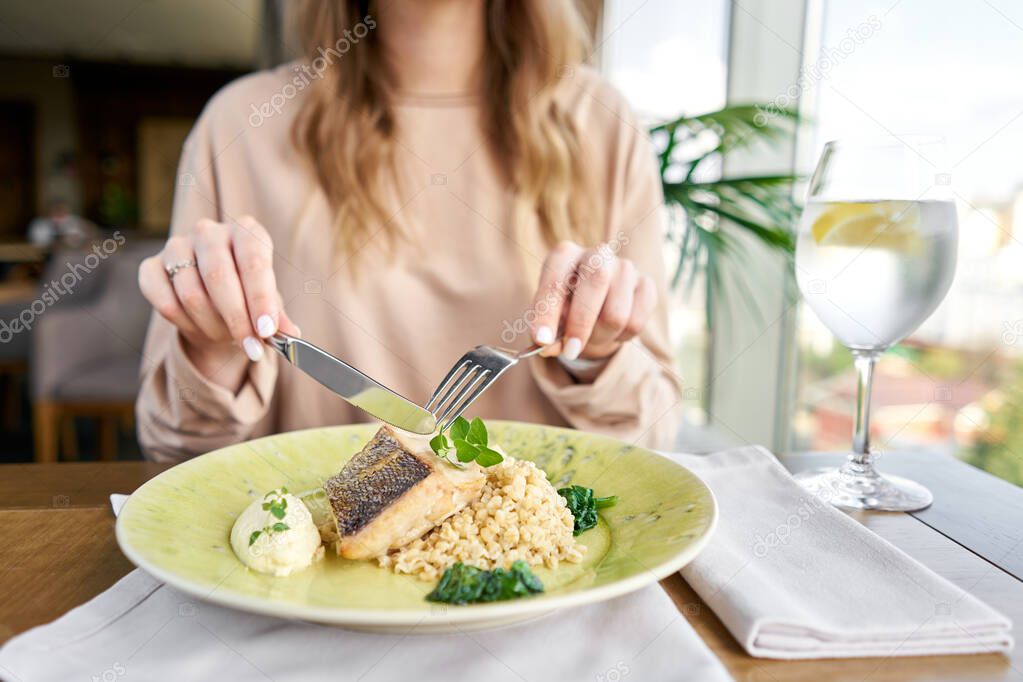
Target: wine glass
[875,256]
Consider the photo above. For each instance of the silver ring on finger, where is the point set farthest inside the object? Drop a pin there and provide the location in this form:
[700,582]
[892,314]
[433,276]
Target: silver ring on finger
[175,268]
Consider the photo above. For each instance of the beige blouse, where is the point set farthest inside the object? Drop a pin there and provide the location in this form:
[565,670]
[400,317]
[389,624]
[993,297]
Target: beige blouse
[465,277]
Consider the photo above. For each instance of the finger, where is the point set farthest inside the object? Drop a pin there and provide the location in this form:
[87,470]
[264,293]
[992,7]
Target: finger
[643,304]
[617,310]
[554,350]
[157,289]
[595,273]
[191,292]
[253,257]
[289,327]
[552,293]
[216,265]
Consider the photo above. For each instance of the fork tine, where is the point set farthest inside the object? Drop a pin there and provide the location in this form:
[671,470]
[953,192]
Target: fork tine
[446,383]
[468,374]
[488,378]
[474,375]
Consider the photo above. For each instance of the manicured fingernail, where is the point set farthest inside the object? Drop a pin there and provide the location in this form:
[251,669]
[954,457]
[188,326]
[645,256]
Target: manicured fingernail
[572,349]
[544,336]
[253,348]
[265,326]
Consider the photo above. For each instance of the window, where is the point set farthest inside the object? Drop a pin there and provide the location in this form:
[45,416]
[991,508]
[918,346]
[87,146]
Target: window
[666,56]
[669,58]
[956,385]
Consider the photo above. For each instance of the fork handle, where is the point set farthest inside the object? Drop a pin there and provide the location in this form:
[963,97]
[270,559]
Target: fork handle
[529,352]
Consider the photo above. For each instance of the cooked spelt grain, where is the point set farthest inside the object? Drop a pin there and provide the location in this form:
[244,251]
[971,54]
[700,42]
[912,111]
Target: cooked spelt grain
[519,516]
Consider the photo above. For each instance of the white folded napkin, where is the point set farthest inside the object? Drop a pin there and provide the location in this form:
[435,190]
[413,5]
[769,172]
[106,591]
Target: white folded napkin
[140,629]
[792,577]
[117,501]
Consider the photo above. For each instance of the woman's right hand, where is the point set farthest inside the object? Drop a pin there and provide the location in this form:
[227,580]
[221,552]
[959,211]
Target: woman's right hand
[225,295]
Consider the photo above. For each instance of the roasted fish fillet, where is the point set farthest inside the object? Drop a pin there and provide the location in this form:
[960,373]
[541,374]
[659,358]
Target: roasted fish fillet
[395,490]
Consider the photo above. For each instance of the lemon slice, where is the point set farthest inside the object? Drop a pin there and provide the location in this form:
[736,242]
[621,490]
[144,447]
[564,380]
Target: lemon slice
[876,224]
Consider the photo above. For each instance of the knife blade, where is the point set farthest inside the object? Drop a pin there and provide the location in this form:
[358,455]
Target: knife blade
[357,388]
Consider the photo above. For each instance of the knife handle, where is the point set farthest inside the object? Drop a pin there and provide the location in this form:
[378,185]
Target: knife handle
[281,343]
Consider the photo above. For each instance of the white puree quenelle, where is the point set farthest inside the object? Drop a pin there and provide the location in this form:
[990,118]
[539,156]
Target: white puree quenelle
[278,553]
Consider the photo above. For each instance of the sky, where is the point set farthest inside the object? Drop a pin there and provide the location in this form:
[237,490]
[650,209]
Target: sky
[667,56]
[950,67]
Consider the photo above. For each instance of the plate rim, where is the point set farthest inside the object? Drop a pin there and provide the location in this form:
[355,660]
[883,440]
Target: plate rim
[444,614]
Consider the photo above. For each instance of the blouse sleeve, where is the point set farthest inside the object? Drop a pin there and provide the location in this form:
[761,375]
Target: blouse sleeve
[180,412]
[636,396]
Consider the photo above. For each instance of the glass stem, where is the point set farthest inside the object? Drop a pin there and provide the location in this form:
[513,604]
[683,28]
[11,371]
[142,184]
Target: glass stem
[864,361]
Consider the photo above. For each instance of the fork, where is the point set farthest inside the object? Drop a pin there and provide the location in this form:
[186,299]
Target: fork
[472,374]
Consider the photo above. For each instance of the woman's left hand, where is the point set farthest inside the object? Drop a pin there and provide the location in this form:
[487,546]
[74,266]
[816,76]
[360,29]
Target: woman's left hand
[601,301]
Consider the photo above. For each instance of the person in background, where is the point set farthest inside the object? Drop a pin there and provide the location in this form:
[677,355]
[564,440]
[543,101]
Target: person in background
[429,177]
[60,227]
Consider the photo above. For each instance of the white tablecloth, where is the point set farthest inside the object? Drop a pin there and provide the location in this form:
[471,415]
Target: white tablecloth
[142,630]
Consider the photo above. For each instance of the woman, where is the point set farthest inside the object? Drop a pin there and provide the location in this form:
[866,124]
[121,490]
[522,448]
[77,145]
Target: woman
[433,176]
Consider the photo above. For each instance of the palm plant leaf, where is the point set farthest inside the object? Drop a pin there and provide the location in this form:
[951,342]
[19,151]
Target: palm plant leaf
[710,213]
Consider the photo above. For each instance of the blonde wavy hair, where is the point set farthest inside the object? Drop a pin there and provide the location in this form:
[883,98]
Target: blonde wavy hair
[346,127]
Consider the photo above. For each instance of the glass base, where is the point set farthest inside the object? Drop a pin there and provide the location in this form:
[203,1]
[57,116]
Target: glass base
[856,486]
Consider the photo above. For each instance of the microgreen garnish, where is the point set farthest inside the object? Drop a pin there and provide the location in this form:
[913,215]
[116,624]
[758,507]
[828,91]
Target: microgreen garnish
[584,506]
[468,442]
[276,505]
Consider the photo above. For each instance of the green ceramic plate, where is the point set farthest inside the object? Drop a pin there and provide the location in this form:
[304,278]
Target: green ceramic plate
[177,528]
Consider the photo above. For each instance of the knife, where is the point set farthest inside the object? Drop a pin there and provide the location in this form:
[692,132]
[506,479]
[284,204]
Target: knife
[358,389]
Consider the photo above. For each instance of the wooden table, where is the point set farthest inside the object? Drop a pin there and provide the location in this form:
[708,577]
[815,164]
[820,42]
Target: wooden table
[59,551]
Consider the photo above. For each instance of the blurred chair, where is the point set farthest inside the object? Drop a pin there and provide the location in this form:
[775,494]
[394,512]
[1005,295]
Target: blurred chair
[14,350]
[86,354]
[18,292]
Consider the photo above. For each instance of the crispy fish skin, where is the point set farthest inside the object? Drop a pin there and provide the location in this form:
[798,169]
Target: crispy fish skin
[371,482]
[395,490]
